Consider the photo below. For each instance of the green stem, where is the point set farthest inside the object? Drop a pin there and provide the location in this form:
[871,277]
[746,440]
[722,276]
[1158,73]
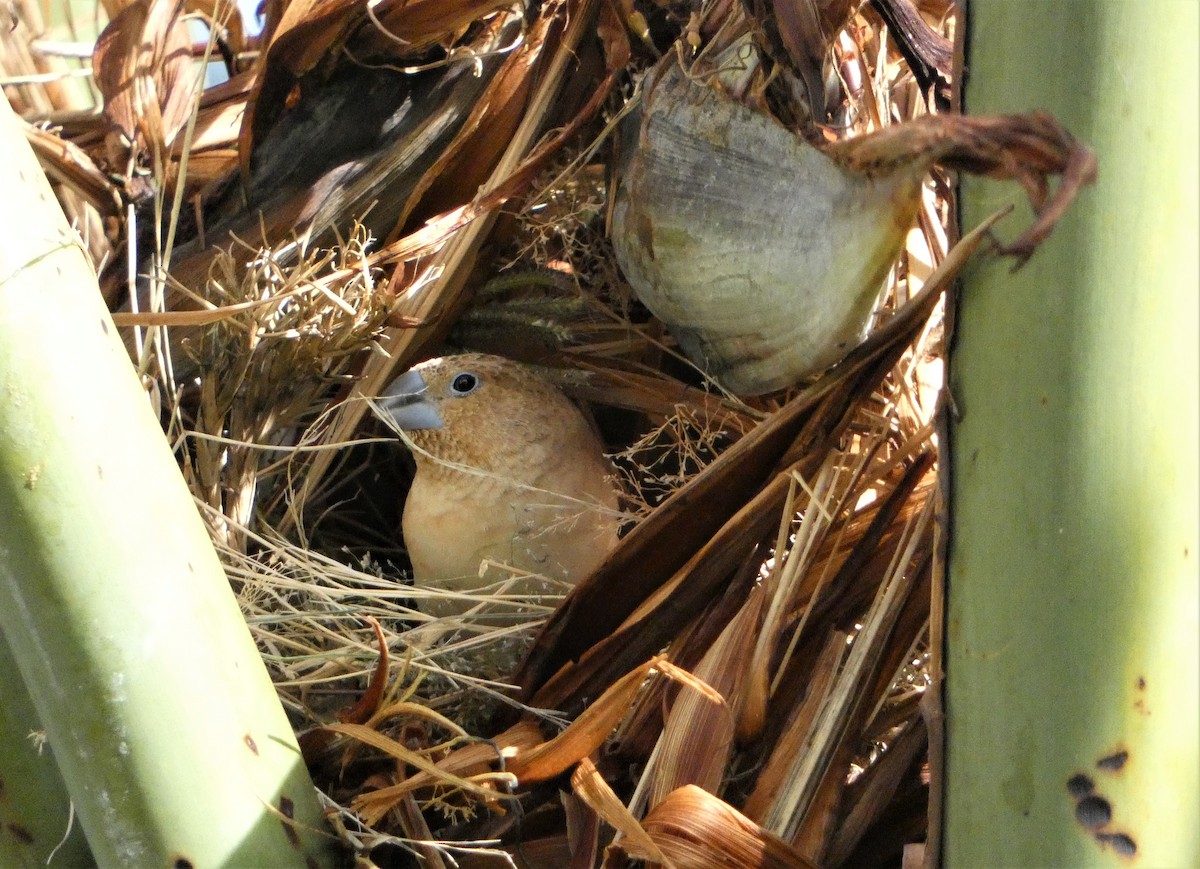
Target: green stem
[1072,705]
[163,721]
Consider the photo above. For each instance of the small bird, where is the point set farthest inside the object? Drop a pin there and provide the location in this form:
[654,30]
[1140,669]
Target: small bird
[508,470]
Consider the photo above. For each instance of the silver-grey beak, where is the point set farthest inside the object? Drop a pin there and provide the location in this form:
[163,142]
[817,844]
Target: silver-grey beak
[406,402]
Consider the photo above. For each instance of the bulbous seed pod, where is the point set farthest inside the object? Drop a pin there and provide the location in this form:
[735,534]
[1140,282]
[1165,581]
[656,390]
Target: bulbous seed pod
[762,255]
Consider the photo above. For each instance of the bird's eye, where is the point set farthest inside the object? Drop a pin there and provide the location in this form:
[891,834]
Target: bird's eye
[464,383]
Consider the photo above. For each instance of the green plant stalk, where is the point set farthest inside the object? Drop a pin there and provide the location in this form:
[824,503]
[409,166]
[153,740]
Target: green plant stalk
[35,810]
[1072,602]
[162,718]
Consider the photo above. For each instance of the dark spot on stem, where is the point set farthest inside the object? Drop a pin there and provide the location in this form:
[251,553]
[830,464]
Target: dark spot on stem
[1093,812]
[182,863]
[1079,785]
[250,743]
[1122,844]
[20,833]
[1113,762]
[288,809]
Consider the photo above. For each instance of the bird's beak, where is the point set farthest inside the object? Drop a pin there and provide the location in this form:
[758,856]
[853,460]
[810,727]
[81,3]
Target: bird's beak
[405,401]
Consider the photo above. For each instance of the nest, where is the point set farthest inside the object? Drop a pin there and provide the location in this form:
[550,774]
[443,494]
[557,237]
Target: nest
[746,674]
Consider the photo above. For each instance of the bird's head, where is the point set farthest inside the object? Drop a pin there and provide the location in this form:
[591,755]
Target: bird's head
[466,407]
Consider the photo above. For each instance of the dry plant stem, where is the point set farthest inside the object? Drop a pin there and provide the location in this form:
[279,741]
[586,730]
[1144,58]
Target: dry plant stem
[825,496]
[416,828]
[211,314]
[786,744]
[774,776]
[819,831]
[821,817]
[885,779]
[372,805]
[872,539]
[67,163]
[468,763]
[787,813]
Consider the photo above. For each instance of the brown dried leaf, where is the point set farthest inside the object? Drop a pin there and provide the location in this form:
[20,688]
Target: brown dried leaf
[220,116]
[591,787]
[582,831]
[420,23]
[67,163]
[696,830]
[698,738]
[313,32]
[930,55]
[144,69]
[467,161]
[776,769]
[589,731]
[801,33]
[1025,148]
[306,32]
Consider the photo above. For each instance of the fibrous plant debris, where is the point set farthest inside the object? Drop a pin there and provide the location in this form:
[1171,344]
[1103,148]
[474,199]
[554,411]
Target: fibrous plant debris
[375,182]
